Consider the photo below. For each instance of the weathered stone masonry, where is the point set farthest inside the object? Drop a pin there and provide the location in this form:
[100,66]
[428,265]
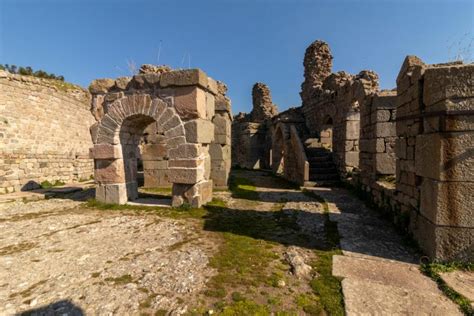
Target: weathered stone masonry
[43,132]
[182,106]
[409,150]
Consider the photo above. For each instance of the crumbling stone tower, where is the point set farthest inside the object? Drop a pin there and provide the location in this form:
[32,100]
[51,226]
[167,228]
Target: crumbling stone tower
[317,67]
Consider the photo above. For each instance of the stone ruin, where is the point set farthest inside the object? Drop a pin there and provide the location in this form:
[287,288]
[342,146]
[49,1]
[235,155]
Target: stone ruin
[408,150]
[176,124]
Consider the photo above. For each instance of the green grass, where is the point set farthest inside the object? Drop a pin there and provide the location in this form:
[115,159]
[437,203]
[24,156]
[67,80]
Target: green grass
[48,185]
[434,269]
[327,286]
[242,188]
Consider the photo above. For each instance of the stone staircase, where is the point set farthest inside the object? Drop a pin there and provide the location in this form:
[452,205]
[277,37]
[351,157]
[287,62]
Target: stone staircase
[322,170]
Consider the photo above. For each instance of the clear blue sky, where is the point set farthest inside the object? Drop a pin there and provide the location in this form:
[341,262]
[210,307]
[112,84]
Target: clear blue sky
[239,42]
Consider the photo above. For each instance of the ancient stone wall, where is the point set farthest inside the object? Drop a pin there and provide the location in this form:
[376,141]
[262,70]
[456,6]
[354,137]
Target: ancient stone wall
[250,136]
[182,106]
[44,132]
[220,148]
[377,137]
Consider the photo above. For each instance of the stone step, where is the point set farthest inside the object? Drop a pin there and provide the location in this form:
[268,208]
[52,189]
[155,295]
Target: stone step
[322,170]
[320,159]
[318,177]
[321,164]
[321,183]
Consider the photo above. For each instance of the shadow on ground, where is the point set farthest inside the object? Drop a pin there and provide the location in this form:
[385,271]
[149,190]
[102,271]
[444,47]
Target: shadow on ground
[62,307]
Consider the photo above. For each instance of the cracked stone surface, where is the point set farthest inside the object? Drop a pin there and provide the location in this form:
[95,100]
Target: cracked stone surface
[381,275]
[55,252]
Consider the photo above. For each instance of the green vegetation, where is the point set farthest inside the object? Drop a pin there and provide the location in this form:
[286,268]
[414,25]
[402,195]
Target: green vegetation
[48,185]
[242,188]
[28,71]
[434,269]
[124,279]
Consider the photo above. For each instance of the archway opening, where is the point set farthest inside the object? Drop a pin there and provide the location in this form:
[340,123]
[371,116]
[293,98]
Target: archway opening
[327,134]
[278,152]
[131,136]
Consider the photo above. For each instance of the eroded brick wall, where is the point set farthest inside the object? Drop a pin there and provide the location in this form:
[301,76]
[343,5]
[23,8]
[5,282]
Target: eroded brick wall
[44,132]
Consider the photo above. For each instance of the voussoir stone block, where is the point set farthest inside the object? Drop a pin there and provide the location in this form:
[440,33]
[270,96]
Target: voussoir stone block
[199,131]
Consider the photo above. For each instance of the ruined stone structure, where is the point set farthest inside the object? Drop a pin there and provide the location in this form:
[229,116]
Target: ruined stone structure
[410,151]
[249,132]
[43,132]
[167,119]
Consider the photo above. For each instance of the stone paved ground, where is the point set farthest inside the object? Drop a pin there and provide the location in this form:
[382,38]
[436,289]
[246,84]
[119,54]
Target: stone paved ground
[380,275]
[62,256]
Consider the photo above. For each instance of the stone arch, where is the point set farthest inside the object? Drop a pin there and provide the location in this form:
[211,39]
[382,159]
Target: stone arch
[278,149]
[327,133]
[117,136]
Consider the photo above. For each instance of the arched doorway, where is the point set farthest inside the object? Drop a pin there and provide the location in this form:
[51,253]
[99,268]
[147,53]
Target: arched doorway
[117,137]
[278,151]
[326,134]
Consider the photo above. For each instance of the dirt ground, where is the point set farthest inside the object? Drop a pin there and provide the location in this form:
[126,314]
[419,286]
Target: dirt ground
[263,248]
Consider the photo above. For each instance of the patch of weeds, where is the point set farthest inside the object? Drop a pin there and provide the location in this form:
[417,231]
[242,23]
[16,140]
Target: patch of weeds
[246,307]
[29,290]
[95,274]
[124,279]
[327,286]
[237,297]
[309,303]
[48,185]
[388,178]
[274,301]
[16,248]
[242,188]
[161,312]
[217,202]
[434,269]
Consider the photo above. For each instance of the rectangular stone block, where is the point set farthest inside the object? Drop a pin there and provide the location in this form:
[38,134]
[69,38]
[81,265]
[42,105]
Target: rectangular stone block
[210,106]
[443,243]
[384,163]
[440,83]
[185,151]
[186,175]
[112,193]
[385,129]
[155,178]
[445,156]
[154,151]
[109,171]
[186,163]
[155,164]
[187,77]
[219,152]
[448,203]
[199,131]
[222,104]
[105,151]
[190,103]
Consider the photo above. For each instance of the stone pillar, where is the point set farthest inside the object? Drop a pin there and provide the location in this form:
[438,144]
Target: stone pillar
[220,148]
[444,161]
